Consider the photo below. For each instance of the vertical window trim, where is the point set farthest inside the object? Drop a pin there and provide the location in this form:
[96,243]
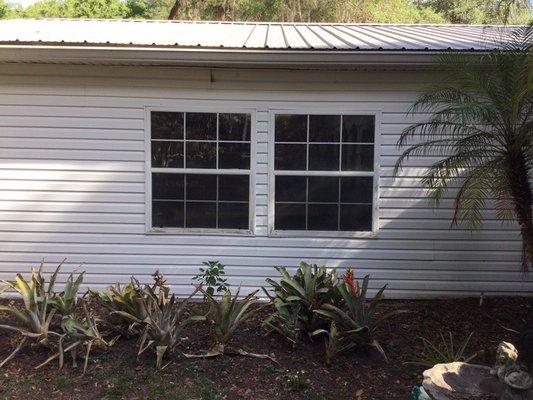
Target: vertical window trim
[208,107]
[343,109]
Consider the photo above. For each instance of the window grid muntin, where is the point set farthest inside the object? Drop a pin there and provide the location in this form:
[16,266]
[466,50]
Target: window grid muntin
[206,171]
[326,173]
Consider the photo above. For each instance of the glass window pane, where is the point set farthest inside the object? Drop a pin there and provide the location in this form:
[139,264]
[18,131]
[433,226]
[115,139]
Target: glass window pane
[234,127]
[291,128]
[167,186]
[291,157]
[167,214]
[233,216]
[324,128]
[167,125]
[167,154]
[291,188]
[200,215]
[357,189]
[289,216]
[201,126]
[358,128]
[201,155]
[323,157]
[233,187]
[323,189]
[357,157]
[201,187]
[323,217]
[234,155]
[356,217]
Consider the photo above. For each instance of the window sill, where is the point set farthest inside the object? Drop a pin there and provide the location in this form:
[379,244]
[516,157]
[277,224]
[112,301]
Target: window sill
[200,231]
[325,234]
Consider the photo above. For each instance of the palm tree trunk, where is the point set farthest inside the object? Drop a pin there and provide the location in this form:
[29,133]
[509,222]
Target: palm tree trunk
[523,202]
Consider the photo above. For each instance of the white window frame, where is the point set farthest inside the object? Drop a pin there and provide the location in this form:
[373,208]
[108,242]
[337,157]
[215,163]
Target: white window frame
[193,107]
[338,109]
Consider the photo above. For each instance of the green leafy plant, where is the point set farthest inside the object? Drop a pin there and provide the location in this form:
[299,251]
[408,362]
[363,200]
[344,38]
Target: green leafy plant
[227,314]
[336,343]
[211,278]
[65,302]
[285,321]
[161,315]
[480,124]
[33,320]
[446,350]
[307,291]
[126,307]
[79,334]
[356,318]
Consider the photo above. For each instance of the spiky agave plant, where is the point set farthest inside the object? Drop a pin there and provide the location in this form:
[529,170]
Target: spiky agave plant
[481,125]
[79,334]
[125,305]
[227,314]
[33,320]
[65,302]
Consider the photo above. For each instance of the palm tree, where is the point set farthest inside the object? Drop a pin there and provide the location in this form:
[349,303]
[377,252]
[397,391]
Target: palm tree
[481,123]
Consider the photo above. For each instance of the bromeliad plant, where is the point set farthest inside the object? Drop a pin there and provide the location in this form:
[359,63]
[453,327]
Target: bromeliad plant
[41,304]
[126,307]
[227,314]
[160,316]
[308,290]
[354,317]
[33,320]
[285,321]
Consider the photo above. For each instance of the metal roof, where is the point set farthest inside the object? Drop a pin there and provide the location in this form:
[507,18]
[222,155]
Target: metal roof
[251,35]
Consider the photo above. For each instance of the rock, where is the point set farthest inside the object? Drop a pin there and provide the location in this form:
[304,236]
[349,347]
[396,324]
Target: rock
[519,379]
[456,381]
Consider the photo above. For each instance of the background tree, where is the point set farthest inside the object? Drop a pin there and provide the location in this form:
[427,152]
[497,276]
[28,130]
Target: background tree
[481,123]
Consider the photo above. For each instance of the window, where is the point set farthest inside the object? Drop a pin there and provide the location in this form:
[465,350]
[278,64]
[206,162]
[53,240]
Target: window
[323,172]
[200,170]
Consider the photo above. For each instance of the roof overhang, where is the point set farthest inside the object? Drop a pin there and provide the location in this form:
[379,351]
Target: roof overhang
[210,57]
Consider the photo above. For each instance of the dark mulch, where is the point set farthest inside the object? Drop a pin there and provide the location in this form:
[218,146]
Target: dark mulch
[116,374]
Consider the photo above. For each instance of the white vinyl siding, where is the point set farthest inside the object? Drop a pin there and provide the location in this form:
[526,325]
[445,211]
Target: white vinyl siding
[72,183]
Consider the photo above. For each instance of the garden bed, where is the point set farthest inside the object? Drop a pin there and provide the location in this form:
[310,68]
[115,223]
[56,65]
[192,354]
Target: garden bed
[301,373]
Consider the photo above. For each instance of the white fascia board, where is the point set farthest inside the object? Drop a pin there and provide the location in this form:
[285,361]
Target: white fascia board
[213,57]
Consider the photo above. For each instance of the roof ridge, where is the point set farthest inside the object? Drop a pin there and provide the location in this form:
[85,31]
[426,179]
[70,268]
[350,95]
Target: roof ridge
[210,22]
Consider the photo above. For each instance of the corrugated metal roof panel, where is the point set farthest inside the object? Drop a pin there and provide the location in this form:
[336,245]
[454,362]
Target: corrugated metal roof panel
[233,35]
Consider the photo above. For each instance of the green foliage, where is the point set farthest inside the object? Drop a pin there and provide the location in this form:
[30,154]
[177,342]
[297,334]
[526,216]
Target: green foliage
[355,318]
[66,301]
[481,11]
[480,124]
[366,11]
[125,305]
[74,9]
[228,313]
[308,290]
[35,320]
[337,343]
[211,277]
[285,321]
[161,316]
[444,351]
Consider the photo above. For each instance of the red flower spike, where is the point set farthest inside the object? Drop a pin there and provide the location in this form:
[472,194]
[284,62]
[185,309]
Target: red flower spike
[349,280]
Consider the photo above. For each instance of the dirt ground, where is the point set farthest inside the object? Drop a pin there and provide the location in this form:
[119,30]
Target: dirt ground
[301,373]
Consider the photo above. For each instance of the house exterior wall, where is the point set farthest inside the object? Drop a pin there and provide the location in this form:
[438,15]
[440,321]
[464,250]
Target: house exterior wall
[73,182]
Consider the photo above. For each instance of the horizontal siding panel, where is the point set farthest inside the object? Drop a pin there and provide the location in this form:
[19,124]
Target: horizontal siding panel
[72,183]
[73,144]
[72,154]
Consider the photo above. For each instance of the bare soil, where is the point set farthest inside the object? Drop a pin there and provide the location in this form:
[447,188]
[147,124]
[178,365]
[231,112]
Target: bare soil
[301,373]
